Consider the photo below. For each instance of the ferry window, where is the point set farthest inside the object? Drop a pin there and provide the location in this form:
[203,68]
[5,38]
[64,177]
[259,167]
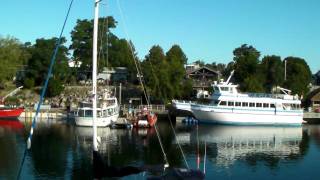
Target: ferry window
[238,103]
[215,102]
[245,104]
[259,104]
[252,104]
[88,113]
[223,103]
[272,106]
[230,103]
[265,105]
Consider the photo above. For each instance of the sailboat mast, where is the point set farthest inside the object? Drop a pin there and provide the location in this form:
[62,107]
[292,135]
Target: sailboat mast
[94,73]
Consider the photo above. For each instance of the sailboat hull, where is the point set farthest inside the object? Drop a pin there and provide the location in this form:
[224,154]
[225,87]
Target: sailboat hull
[100,122]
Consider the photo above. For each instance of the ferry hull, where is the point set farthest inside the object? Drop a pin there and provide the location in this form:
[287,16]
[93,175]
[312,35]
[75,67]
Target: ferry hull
[248,118]
[101,122]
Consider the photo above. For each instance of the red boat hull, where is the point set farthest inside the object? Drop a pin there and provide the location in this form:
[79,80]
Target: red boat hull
[11,113]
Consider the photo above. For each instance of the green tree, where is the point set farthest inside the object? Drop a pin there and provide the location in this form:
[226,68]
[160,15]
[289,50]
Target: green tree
[112,51]
[298,75]
[12,58]
[38,64]
[155,72]
[246,62]
[273,70]
[176,60]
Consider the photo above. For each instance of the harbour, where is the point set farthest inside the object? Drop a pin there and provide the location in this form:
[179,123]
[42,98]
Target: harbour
[203,102]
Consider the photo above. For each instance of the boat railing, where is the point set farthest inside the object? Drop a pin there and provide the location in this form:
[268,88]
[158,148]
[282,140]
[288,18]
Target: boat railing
[264,95]
[182,101]
[151,107]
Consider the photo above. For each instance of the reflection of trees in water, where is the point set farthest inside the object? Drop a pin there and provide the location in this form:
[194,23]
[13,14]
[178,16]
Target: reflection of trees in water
[142,146]
[49,150]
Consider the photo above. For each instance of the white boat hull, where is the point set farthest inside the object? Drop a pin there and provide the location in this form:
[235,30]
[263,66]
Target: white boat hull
[246,117]
[100,122]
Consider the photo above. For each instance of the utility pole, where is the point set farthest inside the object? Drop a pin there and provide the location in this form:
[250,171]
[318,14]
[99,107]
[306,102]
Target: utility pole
[285,70]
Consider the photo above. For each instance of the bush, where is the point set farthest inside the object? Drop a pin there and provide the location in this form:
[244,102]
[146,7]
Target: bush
[55,87]
[28,83]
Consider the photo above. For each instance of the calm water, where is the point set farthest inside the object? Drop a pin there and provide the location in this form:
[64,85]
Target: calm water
[62,151]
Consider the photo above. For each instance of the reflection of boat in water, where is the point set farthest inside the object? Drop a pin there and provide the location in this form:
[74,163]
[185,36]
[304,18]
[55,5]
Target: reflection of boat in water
[235,142]
[11,124]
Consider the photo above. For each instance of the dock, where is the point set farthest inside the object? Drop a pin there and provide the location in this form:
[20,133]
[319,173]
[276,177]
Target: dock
[311,117]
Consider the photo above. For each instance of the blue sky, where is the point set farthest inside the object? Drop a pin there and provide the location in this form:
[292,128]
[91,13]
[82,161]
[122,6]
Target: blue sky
[205,29]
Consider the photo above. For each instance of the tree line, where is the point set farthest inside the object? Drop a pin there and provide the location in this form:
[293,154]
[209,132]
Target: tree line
[163,72]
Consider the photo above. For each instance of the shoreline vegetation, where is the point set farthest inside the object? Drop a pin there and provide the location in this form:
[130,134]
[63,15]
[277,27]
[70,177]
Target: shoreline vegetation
[163,72]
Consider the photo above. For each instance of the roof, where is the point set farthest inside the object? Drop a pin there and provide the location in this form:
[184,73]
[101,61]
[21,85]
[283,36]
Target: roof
[204,68]
[314,95]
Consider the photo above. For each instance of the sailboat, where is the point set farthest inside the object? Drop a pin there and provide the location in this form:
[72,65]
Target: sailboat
[103,110]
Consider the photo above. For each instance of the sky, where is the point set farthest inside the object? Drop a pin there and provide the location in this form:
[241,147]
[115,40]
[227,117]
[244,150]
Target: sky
[207,30]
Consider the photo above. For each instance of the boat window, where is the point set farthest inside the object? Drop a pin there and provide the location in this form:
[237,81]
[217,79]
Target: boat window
[259,104]
[104,113]
[109,112]
[223,103]
[252,104]
[88,113]
[216,89]
[245,104]
[265,105]
[224,89]
[238,103]
[230,103]
[215,102]
[272,106]
[81,113]
[99,113]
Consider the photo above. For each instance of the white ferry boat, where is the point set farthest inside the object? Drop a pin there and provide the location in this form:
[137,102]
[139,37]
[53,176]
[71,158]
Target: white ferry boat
[228,106]
[107,111]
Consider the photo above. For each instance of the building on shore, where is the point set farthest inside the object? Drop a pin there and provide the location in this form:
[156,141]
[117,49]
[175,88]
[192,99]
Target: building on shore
[202,78]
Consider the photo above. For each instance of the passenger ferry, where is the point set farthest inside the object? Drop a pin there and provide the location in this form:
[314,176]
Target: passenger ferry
[228,106]
[107,111]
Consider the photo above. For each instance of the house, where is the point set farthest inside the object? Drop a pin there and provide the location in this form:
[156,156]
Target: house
[115,75]
[203,77]
[313,99]
[316,78]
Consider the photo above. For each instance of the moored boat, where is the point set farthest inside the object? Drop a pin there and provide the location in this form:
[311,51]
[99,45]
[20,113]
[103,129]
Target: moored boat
[228,106]
[10,113]
[143,118]
[107,111]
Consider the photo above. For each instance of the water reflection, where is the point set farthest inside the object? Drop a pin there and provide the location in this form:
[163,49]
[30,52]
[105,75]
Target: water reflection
[227,144]
[65,151]
[9,160]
